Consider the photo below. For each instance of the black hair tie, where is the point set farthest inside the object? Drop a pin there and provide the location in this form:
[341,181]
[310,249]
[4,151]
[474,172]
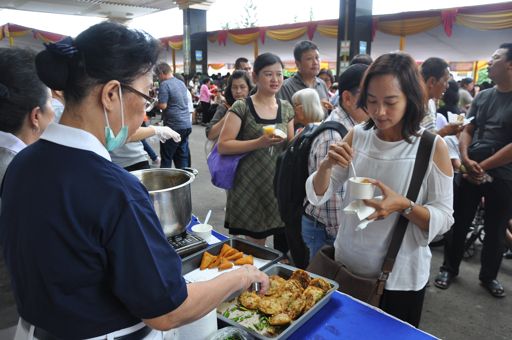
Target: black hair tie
[4,91]
[64,47]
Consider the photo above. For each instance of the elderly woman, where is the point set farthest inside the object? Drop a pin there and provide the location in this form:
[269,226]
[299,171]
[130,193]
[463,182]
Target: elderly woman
[25,111]
[384,149]
[91,258]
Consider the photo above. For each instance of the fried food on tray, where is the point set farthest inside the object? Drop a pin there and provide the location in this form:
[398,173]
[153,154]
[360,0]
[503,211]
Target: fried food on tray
[296,307]
[215,263]
[245,260]
[276,284]
[235,256]
[301,276]
[206,260]
[225,264]
[270,305]
[312,295]
[320,283]
[280,319]
[225,248]
[230,253]
[249,300]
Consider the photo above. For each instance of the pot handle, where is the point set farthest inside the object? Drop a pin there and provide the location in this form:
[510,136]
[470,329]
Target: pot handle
[191,170]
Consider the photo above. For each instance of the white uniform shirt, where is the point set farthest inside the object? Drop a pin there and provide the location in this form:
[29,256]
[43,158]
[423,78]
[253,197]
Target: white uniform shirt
[364,251]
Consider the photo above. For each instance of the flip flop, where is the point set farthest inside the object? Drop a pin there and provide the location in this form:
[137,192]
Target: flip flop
[495,288]
[443,279]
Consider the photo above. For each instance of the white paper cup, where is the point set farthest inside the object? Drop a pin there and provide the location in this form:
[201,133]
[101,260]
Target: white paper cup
[360,190]
[202,230]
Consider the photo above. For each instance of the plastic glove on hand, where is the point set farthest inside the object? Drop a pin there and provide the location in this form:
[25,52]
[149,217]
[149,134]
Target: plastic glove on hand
[164,133]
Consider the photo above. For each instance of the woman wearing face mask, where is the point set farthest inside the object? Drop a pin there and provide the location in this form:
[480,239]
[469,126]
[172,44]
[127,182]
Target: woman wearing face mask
[90,259]
[251,206]
[384,149]
[238,87]
[25,111]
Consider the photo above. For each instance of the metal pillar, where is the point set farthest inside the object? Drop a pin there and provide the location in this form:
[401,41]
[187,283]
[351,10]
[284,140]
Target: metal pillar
[354,31]
[195,41]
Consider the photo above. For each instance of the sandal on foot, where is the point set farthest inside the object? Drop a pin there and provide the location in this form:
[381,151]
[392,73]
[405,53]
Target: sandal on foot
[443,279]
[495,288]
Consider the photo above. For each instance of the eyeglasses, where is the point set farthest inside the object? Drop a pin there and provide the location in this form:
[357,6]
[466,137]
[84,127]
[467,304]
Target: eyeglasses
[150,102]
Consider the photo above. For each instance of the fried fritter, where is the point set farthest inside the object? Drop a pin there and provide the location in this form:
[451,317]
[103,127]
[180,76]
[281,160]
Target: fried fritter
[280,319]
[301,276]
[270,305]
[312,295]
[276,285]
[296,307]
[293,286]
[320,283]
[249,300]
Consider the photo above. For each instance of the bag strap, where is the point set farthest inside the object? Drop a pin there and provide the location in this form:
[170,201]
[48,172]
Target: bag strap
[418,174]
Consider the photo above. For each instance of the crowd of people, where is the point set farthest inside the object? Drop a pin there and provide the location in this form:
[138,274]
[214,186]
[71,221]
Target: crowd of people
[91,259]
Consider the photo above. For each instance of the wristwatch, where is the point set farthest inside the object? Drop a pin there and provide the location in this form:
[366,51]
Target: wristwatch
[408,210]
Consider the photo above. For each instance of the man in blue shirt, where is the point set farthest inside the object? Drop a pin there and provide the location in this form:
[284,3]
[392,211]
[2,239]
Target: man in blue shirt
[172,99]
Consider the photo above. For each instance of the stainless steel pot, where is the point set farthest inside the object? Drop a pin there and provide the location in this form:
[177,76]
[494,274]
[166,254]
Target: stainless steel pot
[170,191]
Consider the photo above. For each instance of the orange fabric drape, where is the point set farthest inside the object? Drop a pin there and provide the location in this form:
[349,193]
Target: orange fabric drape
[216,66]
[486,21]
[408,26]
[243,39]
[287,34]
[330,31]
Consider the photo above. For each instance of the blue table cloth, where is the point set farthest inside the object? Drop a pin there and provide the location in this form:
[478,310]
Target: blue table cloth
[346,318]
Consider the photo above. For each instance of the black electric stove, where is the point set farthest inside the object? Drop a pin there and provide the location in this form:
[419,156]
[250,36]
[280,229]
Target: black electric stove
[186,244]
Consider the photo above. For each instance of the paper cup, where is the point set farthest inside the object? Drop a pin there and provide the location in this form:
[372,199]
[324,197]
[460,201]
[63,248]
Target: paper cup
[360,188]
[202,230]
[269,130]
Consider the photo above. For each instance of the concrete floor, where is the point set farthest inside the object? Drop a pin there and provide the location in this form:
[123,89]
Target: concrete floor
[464,311]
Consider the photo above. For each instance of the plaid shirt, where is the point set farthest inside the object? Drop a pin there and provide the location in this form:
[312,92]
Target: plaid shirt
[328,213]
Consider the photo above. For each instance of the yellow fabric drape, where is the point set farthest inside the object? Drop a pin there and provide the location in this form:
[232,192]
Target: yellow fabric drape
[244,39]
[178,45]
[486,21]
[481,64]
[216,66]
[287,34]
[330,31]
[408,26]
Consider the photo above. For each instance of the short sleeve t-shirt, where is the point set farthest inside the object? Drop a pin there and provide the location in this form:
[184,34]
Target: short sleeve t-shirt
[493,120]
[89,255]
[176,115]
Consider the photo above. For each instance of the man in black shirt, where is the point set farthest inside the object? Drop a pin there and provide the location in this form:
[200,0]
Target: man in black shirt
[486,154]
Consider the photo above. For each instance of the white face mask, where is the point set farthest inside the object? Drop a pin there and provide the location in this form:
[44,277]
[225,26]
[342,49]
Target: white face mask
[112,141]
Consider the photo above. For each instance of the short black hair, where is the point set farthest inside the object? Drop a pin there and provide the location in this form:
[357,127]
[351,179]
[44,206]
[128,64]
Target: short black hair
[433,67]
[466,81]
[508,46]
[162,68]
[239,61]
[238,74]
[451,95]
[361,59]
[328,73]
[264,60]
[303,46]
[103,52]
[20,88]
[403,67]
[351,78]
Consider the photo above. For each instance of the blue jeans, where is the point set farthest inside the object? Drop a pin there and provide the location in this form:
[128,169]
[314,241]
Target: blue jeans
[314,235]
[179,153]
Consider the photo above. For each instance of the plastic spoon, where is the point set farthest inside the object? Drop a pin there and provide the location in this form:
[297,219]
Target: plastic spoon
[353,169]
[207,218]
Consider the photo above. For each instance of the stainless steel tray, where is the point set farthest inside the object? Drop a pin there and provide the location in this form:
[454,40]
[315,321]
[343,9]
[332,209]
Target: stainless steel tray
[286,271]
[193,261]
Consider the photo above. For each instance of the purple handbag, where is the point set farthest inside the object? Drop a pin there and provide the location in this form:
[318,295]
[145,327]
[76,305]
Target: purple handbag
[223,168]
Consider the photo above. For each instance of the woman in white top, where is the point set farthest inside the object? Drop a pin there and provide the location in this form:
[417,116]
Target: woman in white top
[384,149]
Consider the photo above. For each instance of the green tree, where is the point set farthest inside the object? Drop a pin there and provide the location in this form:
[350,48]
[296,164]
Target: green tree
[249,18]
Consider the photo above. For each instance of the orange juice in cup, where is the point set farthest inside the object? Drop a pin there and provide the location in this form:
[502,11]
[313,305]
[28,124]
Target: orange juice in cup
[269,130]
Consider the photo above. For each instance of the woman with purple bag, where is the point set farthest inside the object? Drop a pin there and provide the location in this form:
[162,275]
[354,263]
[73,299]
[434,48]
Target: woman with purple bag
[251,206]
